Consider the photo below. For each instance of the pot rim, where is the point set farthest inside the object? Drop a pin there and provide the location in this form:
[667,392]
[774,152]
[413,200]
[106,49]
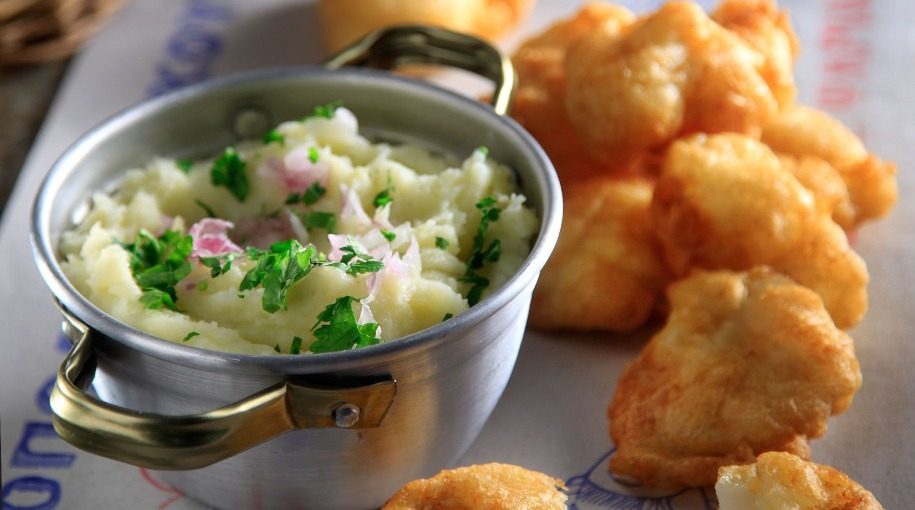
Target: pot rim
[45,252]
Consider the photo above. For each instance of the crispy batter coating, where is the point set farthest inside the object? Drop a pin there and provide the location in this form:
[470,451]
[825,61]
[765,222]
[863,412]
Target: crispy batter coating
[802,131]
[747,363]
[727,202]
[539,100]
[780,480]
[344,21]
[482,487]
[828,188]
[768,30]
[607,272]
[672,73]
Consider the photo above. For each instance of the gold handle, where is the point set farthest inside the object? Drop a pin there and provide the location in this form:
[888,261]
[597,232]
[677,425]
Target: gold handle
[414,44]
[193,441]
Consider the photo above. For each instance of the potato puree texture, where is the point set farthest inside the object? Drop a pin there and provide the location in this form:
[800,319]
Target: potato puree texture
[424,236]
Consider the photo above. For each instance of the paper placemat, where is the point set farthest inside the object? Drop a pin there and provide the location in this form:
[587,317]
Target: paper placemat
[552,417]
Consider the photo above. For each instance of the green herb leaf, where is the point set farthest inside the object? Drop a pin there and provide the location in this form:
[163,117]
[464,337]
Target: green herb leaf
[383,197]
[313,155]
[477,285]
[337,329]
[277,270]
[274,136]
[202,286]
[313,193]
[326,111]
[296,345]
[155,299]
[355,262]
[158,264]
[218,265]
[185,165]
[229,171]
[441,243]
[390,236]
[481,253]
[207,209]
[484,150]
[190,335]
[293,198]
[322,220]
[447,316]
[277,348]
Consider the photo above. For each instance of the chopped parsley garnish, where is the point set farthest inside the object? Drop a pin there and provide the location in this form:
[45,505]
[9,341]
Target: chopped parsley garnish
[203,286]
[441,243]
[277,348]
[277,270]
[390,236]
[207,209]
[158,265]
[322,220]
[326,110]
[481,253]
[296,346]
[484,150]
[313,193]
[185,165]
[447,316]
[313,155]
[477,285]
[308,197]
[190,335]
[229,171]
[218,265]
[337,329]
[274,136]
[355,262]
[383,197]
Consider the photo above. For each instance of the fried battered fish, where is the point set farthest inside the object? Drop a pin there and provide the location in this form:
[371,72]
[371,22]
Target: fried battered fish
[482,487]
[747,363]
[672,73]
[607,272]
[766,28]
[801,131]
[781,480]
[727,202]
[539,100]
[343,21]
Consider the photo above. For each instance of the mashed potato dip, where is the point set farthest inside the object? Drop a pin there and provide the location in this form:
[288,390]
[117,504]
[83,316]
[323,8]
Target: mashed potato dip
[313,239]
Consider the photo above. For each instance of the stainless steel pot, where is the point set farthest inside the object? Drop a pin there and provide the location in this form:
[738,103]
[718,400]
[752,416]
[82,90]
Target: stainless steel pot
[338,430]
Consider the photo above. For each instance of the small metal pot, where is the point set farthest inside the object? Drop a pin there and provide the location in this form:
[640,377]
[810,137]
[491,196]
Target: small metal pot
[338,430]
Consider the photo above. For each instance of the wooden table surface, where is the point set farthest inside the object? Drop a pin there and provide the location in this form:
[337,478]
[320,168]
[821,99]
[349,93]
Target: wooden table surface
[25,95]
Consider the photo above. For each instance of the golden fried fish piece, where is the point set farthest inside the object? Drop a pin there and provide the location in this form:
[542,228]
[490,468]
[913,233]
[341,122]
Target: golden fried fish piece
[482,487]
[768,30]
[726,202]
[607,272]
[344,21]
[672,73]
[747,363]
[539,99]
[803,131]
[780,480]
[828,188]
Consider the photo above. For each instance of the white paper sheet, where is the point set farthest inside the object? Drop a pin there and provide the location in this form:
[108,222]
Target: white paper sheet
[856,62]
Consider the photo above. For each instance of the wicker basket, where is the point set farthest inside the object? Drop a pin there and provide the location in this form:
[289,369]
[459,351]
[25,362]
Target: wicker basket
[36,31]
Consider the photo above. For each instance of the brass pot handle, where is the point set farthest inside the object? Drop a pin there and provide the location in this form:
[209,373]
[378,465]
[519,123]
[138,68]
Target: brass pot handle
[193,441]
[416,44]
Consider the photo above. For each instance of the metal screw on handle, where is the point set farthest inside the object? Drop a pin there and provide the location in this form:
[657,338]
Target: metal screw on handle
[414,44]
